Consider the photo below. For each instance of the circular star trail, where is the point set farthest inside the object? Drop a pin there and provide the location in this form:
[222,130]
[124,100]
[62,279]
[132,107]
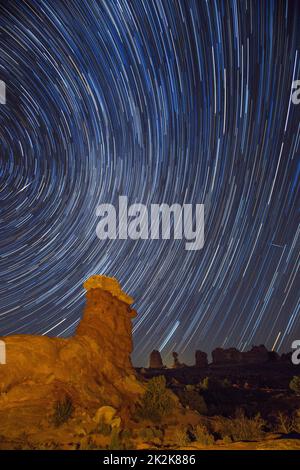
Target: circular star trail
[164,102]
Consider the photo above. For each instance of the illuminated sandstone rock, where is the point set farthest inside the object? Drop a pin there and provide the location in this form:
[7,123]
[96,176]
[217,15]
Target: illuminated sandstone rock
[109,284]
[93,367]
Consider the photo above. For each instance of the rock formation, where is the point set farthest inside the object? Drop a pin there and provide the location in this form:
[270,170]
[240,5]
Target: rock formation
[226,356]
[257,355]
[273,356]
[155,361]
[109,284]
[201,359]
[286,357]
[177,364]
[93,367]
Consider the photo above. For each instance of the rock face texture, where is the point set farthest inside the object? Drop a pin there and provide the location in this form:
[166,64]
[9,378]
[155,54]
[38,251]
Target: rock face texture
[93,367]
[257,355]
[155,361]
[106,329]
[109,284]
[226,356]
[201,359]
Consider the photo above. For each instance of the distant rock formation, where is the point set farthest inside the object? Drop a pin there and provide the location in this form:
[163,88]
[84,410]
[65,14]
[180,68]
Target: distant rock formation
[273,356]
[155,361]
[226,356]
[201,359]
[177,364]
[93,367]
[286,357]
[257,355]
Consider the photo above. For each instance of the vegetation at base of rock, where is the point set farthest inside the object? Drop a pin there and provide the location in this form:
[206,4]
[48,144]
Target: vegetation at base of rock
[193,400]
[126,440]
[150,433]
[287,423]
[297,421]
[115,442]
[157,400]
[227,440]
[181,437]
[103,428]
[212,383]
[240,427]
[295,384]
[202,435]
[226,383]
[63,410]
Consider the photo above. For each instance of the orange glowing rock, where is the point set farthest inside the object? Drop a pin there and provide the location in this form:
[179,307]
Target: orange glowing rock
[110,284]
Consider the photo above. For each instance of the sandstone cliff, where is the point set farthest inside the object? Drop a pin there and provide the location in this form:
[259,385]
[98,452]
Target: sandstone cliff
[93,367]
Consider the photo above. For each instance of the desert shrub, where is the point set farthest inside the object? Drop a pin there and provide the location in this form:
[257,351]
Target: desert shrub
[157,401]
[297,421]
[115,442]
[295,384]
[146,434]
[157,432]
[181,437]
[212,383]
[205,383]
[63,410]
[119,440]
[89,445]
[202,435]
[48,445]
[126,434]
[194,401]
[126,442]
[103,428]
[285,424]
[226,383]
[190,388]
[240,428]
[150,433]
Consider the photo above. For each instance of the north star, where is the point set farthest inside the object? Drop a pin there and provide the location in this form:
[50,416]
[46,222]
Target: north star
[111,460]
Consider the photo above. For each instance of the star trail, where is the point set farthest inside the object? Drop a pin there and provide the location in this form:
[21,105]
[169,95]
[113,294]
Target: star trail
[164,101]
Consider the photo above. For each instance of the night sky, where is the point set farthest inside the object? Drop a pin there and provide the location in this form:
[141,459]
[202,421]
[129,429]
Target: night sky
[164,102]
